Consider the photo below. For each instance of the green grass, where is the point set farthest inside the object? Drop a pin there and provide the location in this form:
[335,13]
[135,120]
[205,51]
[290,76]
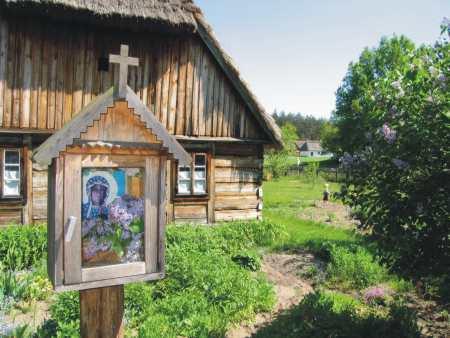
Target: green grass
[352,261]
[351,267]
[286,197]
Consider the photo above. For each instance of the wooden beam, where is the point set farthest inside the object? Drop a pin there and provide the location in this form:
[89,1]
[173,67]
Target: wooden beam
[101,312]
[219,139]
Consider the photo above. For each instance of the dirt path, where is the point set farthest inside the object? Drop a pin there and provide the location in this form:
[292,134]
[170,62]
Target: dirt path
[331,213]
[284,271]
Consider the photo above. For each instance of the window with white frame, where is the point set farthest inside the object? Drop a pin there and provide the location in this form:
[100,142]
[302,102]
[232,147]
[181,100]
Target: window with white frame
[192,180]
[11,173]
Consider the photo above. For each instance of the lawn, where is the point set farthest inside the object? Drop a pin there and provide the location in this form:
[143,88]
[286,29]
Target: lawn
[285,198]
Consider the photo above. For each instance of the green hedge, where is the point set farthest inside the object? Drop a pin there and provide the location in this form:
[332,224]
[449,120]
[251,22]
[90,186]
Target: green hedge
[22,247]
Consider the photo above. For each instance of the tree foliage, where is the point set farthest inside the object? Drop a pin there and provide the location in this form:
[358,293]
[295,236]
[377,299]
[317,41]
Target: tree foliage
[392,123]
[276,161]
[307,127]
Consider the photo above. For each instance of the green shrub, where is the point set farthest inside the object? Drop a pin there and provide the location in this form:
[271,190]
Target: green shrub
[356,268]
[392,117]
[66,307]
[13,288]
[22,247]
[248,259]
[138,298]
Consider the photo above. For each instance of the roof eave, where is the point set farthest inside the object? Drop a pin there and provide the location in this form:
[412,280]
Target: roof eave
[227,65]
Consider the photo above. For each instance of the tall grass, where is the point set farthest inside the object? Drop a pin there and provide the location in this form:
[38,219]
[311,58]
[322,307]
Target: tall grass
[22,247]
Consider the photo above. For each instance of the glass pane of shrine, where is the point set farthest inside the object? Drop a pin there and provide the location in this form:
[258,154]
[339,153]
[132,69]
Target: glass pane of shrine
[112,222]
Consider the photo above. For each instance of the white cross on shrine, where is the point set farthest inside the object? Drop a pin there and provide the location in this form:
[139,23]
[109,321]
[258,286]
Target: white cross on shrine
[120,88]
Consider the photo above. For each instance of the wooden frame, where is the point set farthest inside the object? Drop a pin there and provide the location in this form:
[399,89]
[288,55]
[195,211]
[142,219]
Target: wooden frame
[193,196]
[192,168]
[116,130]
[65,266]
[22,175]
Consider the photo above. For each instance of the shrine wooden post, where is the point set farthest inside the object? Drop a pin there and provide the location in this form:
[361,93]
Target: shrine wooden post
[108,161]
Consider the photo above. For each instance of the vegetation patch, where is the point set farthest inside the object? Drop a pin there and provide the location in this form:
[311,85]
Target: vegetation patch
[22,247]
[210,284]
[333,314]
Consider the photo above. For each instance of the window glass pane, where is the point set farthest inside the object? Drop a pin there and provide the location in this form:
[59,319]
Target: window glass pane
[11,188]
[200,187]
[12,157]
[200,173]
[112,218]
[184,173]
[200,160]
[184,187]
[12,173]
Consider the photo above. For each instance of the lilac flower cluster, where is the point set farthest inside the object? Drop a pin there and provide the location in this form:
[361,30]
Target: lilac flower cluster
[94,246]
[375,294]
[389,134]
[126,209]
[347,160]
[123,211]
[400,164]
[134,249]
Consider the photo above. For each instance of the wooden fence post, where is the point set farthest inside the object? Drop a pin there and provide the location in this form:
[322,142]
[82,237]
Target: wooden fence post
[101,312]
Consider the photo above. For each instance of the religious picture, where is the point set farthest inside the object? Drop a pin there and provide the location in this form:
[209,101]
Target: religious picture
[112,216]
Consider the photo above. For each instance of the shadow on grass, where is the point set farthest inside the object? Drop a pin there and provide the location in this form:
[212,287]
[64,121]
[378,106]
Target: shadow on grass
[335,315]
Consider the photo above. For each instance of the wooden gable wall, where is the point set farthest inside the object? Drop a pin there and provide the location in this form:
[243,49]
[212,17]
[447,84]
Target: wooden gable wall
[49,71]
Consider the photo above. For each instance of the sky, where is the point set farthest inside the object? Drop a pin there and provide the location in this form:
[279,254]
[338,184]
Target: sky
[295,53]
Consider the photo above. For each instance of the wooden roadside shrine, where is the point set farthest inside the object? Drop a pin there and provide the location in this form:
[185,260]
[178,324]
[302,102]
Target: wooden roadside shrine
[106,201]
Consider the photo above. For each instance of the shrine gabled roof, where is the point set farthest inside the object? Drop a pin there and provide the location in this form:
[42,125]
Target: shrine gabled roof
[72,130]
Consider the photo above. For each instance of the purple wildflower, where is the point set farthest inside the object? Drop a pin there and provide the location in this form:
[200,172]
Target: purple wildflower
[400,164]
[389,134]
[375,294]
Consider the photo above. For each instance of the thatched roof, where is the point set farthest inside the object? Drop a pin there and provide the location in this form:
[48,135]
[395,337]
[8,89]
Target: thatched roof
[231,70]
[175,14]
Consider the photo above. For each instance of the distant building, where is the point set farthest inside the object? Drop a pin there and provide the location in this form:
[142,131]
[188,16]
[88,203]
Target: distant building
[310,148]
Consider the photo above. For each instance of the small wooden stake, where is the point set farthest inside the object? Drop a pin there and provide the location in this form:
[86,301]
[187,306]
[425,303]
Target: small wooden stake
[101,312]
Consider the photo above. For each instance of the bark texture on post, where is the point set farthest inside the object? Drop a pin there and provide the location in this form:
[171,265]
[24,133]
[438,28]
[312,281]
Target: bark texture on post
[101,312]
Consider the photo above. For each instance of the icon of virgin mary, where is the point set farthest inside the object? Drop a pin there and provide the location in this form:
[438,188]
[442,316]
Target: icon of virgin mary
[97,190]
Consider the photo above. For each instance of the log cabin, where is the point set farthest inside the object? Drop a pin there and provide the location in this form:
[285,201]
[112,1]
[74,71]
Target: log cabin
[54,62]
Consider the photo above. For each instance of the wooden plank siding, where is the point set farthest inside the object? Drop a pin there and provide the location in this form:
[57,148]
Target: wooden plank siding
[47,75]
[237,181]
